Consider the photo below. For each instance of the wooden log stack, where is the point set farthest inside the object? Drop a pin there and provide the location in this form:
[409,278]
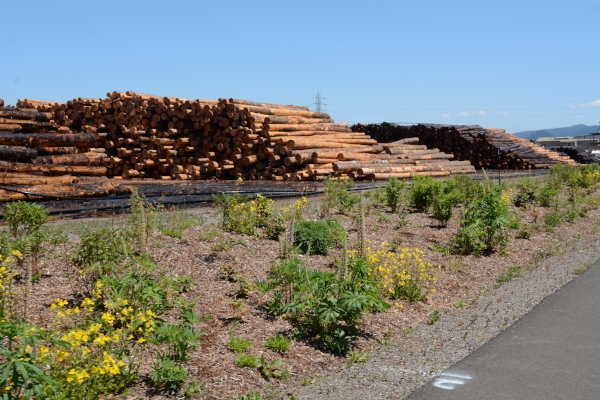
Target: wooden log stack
[484,148]
[130,135]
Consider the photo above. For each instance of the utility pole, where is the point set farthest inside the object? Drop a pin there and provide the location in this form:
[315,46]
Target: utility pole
[319,102]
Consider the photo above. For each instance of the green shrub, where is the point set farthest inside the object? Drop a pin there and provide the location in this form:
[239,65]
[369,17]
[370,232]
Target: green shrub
[278,343]
[319,303]
[548,194]
[483,224]
[101,246]
[423,191]
[275,227]
[394,193]
[317,236]
[441,207]
[552,218]
[242,214]
[469,188]
[24,218]
[337,195]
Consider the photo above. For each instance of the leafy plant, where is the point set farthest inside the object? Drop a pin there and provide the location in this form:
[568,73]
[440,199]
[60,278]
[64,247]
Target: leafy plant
[22,375]
[337,195]
[227,244]
[460,303]
[552,219]
[357,357]
[207,235]
[24,218]
[423,191]
[181,339]
[167,374]
[317,236]
[238,344]
[247,361]
[321,304]
[276,369]
[278,343]
[249,396]
[513,272]
[526,192]
[394,193]
[192,388]
[548,194]
[483,224]
[433,317]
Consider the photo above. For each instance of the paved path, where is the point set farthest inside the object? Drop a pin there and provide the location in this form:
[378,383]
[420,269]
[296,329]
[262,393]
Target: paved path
[553,352]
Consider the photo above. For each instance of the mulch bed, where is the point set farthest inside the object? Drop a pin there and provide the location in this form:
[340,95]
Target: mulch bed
[213,364]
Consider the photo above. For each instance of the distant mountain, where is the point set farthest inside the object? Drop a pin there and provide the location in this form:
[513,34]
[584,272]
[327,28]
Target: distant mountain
[575,130]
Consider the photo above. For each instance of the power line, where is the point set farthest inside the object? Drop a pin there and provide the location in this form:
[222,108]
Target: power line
[474,103]
[442,109]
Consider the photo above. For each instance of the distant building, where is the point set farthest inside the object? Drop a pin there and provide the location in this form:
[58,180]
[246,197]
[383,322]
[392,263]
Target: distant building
[587,142]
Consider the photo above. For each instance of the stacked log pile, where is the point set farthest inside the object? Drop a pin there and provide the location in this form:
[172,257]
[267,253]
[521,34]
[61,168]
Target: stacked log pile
[71,149]
[579,155]
[37,155]
[484,148]
[144,136]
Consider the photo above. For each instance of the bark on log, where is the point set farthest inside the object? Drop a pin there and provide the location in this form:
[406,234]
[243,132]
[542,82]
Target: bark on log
[17,154]
[47,139]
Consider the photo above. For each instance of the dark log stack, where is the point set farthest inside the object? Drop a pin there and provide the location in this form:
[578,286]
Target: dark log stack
[579,155]
[484,148]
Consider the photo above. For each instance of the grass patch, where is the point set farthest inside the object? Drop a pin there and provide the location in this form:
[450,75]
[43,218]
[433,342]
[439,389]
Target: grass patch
[513,272]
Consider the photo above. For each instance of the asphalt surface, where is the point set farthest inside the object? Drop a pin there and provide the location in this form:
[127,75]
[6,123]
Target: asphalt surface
[553,352]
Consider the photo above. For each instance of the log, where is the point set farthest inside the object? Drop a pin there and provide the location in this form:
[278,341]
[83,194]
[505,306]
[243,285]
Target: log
[21,179]
[52,169]
[90,158]
[27,115]
[17,154]
[47,139]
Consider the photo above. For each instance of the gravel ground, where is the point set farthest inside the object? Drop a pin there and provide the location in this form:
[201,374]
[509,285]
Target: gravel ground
[393,372]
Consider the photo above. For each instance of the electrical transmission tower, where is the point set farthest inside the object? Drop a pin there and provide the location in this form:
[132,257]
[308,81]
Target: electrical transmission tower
[319,102]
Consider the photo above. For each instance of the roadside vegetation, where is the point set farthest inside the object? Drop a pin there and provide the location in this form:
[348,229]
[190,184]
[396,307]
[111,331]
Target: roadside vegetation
[126,317]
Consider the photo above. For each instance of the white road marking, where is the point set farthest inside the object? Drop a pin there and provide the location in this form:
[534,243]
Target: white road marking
[448,380]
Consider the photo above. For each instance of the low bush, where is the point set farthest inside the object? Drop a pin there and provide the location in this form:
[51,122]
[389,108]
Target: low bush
[552,219]
[394,193]
[241,214]
[548,194]
[423,191]
[401,274]
[483,225]
[317,237]
[338,196]
[319,303]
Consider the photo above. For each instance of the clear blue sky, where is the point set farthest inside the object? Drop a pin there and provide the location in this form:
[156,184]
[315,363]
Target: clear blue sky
[517,65]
